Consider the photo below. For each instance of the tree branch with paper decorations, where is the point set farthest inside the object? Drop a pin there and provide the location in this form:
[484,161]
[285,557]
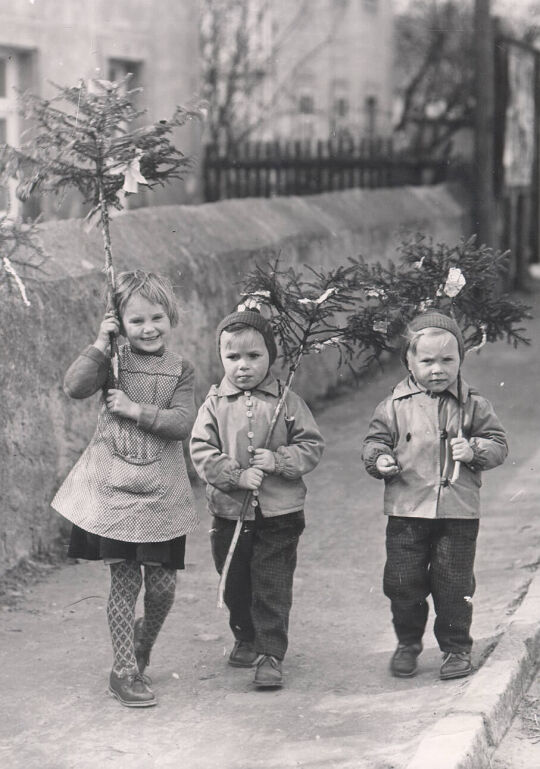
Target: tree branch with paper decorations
[21,254]
[87,138]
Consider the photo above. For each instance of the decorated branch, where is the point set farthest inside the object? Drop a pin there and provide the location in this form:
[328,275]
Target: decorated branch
[362,310]
[89,138]
[21,254]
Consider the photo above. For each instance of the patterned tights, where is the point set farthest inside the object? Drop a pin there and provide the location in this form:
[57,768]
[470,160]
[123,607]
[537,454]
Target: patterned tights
[126,582]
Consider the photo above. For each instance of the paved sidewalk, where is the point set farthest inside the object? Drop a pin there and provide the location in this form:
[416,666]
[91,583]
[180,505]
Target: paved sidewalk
[340,708]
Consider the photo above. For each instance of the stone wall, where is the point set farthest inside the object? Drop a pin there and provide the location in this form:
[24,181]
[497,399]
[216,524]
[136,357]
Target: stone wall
[205,250]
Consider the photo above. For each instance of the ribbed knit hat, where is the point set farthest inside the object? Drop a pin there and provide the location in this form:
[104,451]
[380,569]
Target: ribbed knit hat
[432,319]
[254,319]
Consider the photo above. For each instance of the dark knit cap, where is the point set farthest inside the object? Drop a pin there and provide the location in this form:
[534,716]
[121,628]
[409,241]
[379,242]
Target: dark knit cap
[432,319]
[255,320]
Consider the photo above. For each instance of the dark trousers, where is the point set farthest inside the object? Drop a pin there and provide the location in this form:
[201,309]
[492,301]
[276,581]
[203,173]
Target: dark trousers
[431,556]
[258,591]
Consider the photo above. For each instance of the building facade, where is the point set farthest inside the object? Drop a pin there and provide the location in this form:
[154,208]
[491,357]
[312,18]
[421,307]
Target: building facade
[329,65]
[60,41]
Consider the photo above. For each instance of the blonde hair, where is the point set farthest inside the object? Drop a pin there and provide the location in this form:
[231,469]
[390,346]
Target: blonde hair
[237,330]
[151,286]
[412,338]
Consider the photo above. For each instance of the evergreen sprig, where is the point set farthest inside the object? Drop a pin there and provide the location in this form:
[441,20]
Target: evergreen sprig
[20,253]
[362,309]
[85,138]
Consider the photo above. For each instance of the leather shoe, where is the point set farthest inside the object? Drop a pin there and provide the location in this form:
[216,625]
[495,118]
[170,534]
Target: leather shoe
[243,655]
[403,663]
[131,690]
[455,665]
[268,674]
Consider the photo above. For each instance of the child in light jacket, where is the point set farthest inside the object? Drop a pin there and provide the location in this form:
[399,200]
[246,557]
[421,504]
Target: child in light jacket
[226,442]
[413,443]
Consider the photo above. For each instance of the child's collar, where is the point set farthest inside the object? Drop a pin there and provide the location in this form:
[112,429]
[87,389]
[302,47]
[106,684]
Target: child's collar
[269,385]
[408,386]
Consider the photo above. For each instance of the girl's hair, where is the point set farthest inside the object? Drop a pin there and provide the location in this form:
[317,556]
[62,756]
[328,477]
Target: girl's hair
[151,286]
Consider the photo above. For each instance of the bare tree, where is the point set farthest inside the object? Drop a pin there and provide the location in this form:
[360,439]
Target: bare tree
[435,73]
[239,45]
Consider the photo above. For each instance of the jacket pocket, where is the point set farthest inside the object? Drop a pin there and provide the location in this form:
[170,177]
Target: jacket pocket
[135,476]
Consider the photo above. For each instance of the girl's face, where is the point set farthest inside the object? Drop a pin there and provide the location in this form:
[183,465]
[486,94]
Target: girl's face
[146,325]
[435,364]
[244,357]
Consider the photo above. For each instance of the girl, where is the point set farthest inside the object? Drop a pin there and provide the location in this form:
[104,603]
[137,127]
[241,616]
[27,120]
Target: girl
[129,496]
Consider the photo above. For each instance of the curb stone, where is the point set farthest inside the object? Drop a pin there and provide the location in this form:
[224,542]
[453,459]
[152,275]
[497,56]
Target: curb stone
[467,736]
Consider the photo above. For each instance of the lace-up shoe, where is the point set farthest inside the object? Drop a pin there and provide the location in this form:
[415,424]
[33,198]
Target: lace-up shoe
[403,663]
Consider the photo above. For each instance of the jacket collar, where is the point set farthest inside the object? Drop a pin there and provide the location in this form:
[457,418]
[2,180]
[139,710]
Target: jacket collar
[408,387]
[269,385]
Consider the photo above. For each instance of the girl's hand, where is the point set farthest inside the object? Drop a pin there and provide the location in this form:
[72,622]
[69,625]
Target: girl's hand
[461,450]
[263,459]
[387,465]
[118,403]
[251,478]
[109,325]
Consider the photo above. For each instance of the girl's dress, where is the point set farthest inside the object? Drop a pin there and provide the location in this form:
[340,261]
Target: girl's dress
[129,496]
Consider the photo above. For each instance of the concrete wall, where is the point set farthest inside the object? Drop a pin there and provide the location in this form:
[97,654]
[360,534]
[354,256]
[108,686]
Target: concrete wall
[205,250]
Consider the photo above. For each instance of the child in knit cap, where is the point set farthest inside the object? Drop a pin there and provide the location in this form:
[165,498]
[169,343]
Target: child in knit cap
[230,428]
[430,423]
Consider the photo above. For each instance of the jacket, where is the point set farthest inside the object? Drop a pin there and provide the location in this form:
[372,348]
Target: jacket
[231,423]
[416,428]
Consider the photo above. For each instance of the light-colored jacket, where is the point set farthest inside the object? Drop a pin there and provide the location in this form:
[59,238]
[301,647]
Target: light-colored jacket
[416,429]
[231,423]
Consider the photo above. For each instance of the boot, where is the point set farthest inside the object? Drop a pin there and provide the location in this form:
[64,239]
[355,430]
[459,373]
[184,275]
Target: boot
[403,663]
[455,665]
[268,674]
[243,655]
[131,690]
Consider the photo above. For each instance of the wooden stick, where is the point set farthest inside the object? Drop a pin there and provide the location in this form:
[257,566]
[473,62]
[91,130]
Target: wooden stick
[457,465]
[109,274]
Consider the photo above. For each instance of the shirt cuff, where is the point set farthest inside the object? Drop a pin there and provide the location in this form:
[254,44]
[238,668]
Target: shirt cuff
[147,416]
[96,355]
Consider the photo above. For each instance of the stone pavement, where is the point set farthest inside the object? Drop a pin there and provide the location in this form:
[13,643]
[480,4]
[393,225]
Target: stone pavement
[340,708]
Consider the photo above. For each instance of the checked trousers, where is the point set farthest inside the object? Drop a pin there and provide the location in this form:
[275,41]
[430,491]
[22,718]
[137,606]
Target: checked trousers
[259,587]
[431,556]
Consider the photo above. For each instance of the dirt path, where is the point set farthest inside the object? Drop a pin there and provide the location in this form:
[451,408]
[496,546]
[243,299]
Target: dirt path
[340,707]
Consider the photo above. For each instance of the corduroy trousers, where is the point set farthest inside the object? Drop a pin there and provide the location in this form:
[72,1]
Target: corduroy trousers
[431,556]
[259,587]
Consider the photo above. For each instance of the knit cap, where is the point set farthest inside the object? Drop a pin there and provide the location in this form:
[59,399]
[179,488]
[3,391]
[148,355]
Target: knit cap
[433,319]
[251,317]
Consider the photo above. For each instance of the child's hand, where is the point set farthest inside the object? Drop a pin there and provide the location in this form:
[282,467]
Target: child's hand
[387,465]
[251,478]
[109,325]
[461,450]
[263,459]
[118,403]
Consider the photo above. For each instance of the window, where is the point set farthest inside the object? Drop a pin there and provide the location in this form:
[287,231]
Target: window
[371,6]
[306,104]
[9,120]
[371,115]
[119,68]
[341,106]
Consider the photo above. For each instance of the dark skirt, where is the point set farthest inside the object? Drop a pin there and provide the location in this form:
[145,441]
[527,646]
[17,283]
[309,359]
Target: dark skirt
[92,547]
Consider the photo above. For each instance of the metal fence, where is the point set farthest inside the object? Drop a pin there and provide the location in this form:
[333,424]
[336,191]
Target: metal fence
[264,169]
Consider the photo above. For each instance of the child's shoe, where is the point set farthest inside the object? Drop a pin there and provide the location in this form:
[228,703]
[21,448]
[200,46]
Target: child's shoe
[268,674]
[131,690]
[403,663]
[243,655]
[455,665]
[142,655]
